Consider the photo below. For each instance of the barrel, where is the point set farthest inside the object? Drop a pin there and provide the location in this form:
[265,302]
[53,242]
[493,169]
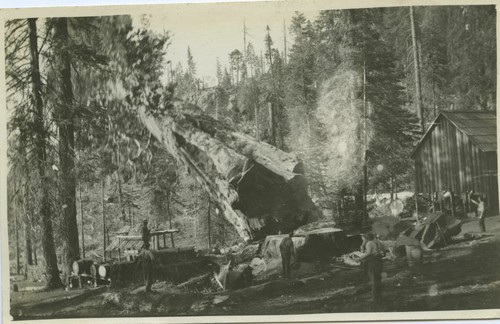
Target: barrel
[103,271]
[414,255]
[82,267]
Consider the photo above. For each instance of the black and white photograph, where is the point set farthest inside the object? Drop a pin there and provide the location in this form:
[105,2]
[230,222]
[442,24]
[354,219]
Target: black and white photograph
[250,162]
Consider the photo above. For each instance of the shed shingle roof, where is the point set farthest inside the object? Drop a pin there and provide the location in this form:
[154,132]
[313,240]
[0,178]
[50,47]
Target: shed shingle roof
[479,126]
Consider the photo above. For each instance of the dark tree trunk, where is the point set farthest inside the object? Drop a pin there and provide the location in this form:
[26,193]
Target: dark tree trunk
[66,126]
[272,124]
[103,220]
[392,188]
[169,200]
[257,128]
[209,224]
[18,257]
[35,258]
[120,197]
[281,131]
[81,224]
[28,253]
[49,251]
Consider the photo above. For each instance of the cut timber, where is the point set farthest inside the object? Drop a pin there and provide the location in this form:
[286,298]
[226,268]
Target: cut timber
[82,266]
[260,189]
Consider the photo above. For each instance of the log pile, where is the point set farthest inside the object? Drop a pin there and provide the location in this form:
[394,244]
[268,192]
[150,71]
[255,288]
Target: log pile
[260,189]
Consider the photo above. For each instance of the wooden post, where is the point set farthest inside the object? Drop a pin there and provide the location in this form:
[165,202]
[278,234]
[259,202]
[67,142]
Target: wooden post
[103,219]
[416,207]
[395,188]
[81,213]
[431,199]
[119,251]
[132,217]
[209,227]
[169,220]
[129,216]
[272,130]
[157,238]
[164,241]
[18,262]
[35,259]
[464,203]
[365,148]
[365,193]
[452,204]
[391,181]
[256,119]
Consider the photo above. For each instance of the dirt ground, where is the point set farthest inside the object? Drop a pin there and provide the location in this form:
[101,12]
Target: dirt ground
[461,276]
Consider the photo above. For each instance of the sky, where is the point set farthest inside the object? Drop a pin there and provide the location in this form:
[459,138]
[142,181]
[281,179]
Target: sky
[213,31]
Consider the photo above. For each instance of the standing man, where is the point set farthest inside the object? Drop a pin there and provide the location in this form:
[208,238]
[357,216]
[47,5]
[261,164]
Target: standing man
[146,258]
[372,259]
[146,233]
[480,212]
[287,251]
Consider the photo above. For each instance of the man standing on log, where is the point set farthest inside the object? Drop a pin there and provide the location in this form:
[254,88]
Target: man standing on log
[145,233]
[287,251]
[372,260]
[146,258]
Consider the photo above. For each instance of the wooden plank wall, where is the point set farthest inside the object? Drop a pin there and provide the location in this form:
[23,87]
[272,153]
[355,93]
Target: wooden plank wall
[448,159]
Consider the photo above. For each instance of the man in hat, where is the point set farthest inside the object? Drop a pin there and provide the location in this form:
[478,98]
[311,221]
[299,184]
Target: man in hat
[287,251]
[145,232]
[372,260]
[146,258]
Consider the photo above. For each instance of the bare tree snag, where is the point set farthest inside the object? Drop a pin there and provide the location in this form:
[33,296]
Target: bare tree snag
[416,66]
[260,189]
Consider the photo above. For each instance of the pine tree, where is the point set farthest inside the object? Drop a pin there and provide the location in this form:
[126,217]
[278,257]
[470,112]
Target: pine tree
[191,65]
[435,72]
[218,72]
[236,59]
[471,35]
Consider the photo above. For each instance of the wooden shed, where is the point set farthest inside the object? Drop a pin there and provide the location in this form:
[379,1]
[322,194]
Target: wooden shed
[458,153]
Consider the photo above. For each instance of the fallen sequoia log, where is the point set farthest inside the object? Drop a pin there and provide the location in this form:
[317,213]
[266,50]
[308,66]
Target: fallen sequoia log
[126,272]
[260,189]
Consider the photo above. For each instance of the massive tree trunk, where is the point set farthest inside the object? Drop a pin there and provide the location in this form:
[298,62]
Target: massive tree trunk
[49,251]
[260,189]
[67,177]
